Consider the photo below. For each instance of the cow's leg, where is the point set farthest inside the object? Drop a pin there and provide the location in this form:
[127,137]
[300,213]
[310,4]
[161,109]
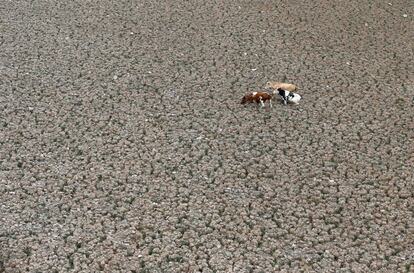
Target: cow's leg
[270,103]
[261,102]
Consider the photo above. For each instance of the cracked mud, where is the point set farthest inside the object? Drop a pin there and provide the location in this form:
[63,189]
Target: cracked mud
[124,146]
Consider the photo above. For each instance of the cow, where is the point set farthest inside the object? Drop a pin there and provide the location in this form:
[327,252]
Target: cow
[258,97]
[285,86]
[287,96]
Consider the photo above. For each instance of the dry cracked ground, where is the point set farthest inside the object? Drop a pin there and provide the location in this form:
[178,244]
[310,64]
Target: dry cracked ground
[124,147]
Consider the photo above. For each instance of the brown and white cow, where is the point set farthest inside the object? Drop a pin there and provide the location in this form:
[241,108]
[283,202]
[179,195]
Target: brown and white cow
[258,97]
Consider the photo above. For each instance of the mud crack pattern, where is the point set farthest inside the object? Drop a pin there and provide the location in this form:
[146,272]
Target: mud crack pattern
[124,147]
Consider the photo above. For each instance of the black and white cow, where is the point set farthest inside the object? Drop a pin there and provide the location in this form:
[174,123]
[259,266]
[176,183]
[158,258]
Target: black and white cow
[288,97]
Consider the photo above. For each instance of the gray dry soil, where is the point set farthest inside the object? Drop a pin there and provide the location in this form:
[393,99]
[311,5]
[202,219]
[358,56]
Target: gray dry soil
[124,147]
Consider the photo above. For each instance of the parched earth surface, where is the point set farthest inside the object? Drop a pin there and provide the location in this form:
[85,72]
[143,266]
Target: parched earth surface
[124,147]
